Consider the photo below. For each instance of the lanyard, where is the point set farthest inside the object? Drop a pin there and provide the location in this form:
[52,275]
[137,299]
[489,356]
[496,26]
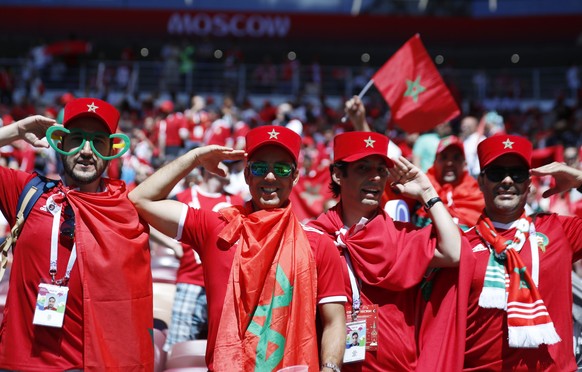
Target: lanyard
[356,302]
[56,210]
[356,299]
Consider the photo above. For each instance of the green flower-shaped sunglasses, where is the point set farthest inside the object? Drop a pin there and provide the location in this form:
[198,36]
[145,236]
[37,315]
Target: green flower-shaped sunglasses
[79,137]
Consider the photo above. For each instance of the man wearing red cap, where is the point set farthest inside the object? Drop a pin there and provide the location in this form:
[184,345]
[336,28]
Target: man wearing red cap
[83,241]
[457,189]
[265,273]
[519,315]
[384,261]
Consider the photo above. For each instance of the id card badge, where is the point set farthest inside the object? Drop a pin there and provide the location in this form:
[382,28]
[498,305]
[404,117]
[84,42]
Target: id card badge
[355,341]
[368,313]
[51,303]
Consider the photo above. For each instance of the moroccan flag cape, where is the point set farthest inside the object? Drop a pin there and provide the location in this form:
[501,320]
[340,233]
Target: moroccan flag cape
[463,201]
[442,315]
[268,318]
[114,264]
[528,321]
[375,258]
[418,97]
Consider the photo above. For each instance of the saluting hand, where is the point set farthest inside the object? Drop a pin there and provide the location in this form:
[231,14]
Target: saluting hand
[32,129]
[408,179]
[565,177]
[211,157]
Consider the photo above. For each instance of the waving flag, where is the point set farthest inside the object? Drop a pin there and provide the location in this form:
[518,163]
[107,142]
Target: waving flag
[412,86]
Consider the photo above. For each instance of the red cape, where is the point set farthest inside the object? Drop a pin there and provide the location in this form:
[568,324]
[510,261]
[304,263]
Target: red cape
[114,263]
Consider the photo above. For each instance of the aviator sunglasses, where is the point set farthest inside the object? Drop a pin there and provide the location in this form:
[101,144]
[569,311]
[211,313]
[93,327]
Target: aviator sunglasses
[496,174]
[261,168]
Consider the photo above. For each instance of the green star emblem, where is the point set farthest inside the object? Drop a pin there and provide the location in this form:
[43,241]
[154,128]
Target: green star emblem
[413,89]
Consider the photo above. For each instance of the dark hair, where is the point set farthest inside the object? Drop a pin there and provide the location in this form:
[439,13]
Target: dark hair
[355,333]
[334,187]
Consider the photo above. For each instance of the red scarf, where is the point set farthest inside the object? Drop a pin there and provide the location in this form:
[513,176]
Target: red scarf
[268,318]
[529,323]
[114,264]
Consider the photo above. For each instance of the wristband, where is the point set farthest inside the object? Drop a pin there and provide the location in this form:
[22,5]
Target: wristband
[331,366]
[429,204]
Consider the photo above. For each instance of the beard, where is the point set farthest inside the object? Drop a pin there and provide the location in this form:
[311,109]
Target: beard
[81,177]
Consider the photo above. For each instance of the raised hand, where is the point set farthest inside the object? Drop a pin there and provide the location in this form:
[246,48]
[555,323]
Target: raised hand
[33,129]
[211,157]
[565,177]
[408,179]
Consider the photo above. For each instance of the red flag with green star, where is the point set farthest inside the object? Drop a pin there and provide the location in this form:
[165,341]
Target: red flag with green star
[412,86]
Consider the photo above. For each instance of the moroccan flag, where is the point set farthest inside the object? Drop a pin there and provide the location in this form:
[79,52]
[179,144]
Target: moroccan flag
[412,86]
[269,309]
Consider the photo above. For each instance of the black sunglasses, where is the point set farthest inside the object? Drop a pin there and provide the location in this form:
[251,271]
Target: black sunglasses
[261,168]
[497,174]
[68,225]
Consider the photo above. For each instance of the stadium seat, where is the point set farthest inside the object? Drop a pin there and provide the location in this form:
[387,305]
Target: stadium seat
[187,354]
[159,353]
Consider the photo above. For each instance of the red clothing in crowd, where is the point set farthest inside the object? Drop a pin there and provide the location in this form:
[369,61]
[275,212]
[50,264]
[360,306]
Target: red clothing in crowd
[170,128]
[463,201]
[109,309]
[560,244]
[200,228]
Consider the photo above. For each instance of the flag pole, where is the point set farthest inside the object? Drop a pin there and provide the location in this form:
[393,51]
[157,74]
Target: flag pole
[364,90]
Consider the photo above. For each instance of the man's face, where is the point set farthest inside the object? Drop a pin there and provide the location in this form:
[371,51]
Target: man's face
[355,339]
[468,126]
[51,302]
[449,165]
[270,191]
[85,167]
[215,183]
[505,199]
[363,184]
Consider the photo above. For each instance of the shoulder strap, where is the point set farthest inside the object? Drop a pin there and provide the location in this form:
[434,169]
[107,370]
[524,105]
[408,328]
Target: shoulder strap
[29,196]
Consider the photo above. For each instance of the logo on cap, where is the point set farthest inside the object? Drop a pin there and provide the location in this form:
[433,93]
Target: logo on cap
[508,144]
[92,107]
[273,134]
[369,142]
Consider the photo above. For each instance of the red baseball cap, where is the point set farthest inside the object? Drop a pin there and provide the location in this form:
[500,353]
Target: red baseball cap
[495,146]
[92,107]
[273,135]
[450,141]
[352,146]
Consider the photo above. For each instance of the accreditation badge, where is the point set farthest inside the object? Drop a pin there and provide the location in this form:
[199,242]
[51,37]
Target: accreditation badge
[51,303]
[369,314]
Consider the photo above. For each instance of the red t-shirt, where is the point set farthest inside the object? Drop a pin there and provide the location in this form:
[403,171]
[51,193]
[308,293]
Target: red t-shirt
[486,343]
[200,228]
[190,270]
[171,127]
[24,346]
